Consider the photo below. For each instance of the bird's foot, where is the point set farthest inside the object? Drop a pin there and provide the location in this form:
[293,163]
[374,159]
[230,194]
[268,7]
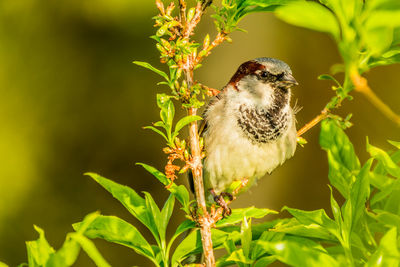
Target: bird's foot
[220,200]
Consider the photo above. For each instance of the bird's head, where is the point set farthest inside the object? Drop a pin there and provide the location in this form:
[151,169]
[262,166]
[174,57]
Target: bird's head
[263,78]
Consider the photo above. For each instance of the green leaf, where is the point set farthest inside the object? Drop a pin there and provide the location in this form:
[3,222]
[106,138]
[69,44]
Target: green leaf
[156,214]
[392,203]
[384,19]
[150,67]
[166,213]
[180,192]
[329,78]
[185,121]
[238,215]
[386,218]
[90,249]
[394,143]
[157,131]
[265,261]
[392,52]
[315,217]
[343,161]
[39,250]
[299,254]
[396,36]
[294,227]
[380,181]
[238,256]
[337,213]
[387,253]
[245,236]
[384,158]
[384,4]
[309,15]
[2,264]
[170,113]
[156,173]
[360,192]
[116,230]
[134,203]
[378,39]
[68,253]
[258,250]
[192,245]
[183,227]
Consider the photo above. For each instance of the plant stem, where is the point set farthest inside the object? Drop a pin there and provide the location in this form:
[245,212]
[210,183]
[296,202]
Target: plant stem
[324,114]
[197,171]
[361,85]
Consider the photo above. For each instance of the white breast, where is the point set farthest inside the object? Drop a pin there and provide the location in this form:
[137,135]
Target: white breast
[232,156]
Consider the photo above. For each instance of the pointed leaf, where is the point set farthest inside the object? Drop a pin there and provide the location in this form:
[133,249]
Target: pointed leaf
[238,256]
[156,173]
[166,213]
[309,15]
[238,215]
[134,203]
[294,227]
[90,249]
[185,121]
[39,250]
[150,67]
[384,18]
[298,254]
[343,162]
[360,192]
[318,217]
[180,192]
[264,261]
[155,213]
[245,236]
[384,158]
[192,245]
[116,230]
[387,253]
[157,131]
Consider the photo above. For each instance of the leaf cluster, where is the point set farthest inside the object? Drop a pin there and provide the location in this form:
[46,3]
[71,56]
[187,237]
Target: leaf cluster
[41,254]
[364,230]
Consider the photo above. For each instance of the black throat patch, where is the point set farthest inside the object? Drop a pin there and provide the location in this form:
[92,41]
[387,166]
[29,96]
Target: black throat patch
[265,125]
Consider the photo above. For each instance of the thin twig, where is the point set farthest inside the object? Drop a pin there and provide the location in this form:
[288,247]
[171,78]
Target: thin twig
[191,25]
[219,39]
[182,8]
[324,114]
[361,86]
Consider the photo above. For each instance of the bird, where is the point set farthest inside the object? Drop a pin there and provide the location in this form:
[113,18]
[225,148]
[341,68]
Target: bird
[249,128]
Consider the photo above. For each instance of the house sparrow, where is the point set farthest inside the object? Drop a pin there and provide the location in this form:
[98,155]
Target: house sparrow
[249,128]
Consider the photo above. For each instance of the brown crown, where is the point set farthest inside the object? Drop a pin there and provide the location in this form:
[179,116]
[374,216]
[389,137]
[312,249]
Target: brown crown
[246,68]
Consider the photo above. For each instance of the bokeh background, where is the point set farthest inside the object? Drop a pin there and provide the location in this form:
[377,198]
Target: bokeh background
[71,101]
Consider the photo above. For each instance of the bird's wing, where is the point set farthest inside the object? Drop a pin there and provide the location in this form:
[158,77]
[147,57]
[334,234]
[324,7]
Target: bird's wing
[203,124]
[202,129]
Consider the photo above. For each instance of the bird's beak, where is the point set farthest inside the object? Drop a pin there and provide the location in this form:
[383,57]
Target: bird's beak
[290,80]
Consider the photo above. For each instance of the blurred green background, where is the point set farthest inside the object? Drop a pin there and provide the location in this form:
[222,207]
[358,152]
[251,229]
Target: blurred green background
[71,101]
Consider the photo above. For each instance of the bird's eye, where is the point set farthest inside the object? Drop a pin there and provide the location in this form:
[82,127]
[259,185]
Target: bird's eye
[279,77]
[264,74]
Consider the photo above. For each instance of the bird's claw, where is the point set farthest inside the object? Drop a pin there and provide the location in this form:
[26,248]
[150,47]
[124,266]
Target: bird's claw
[219,199]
